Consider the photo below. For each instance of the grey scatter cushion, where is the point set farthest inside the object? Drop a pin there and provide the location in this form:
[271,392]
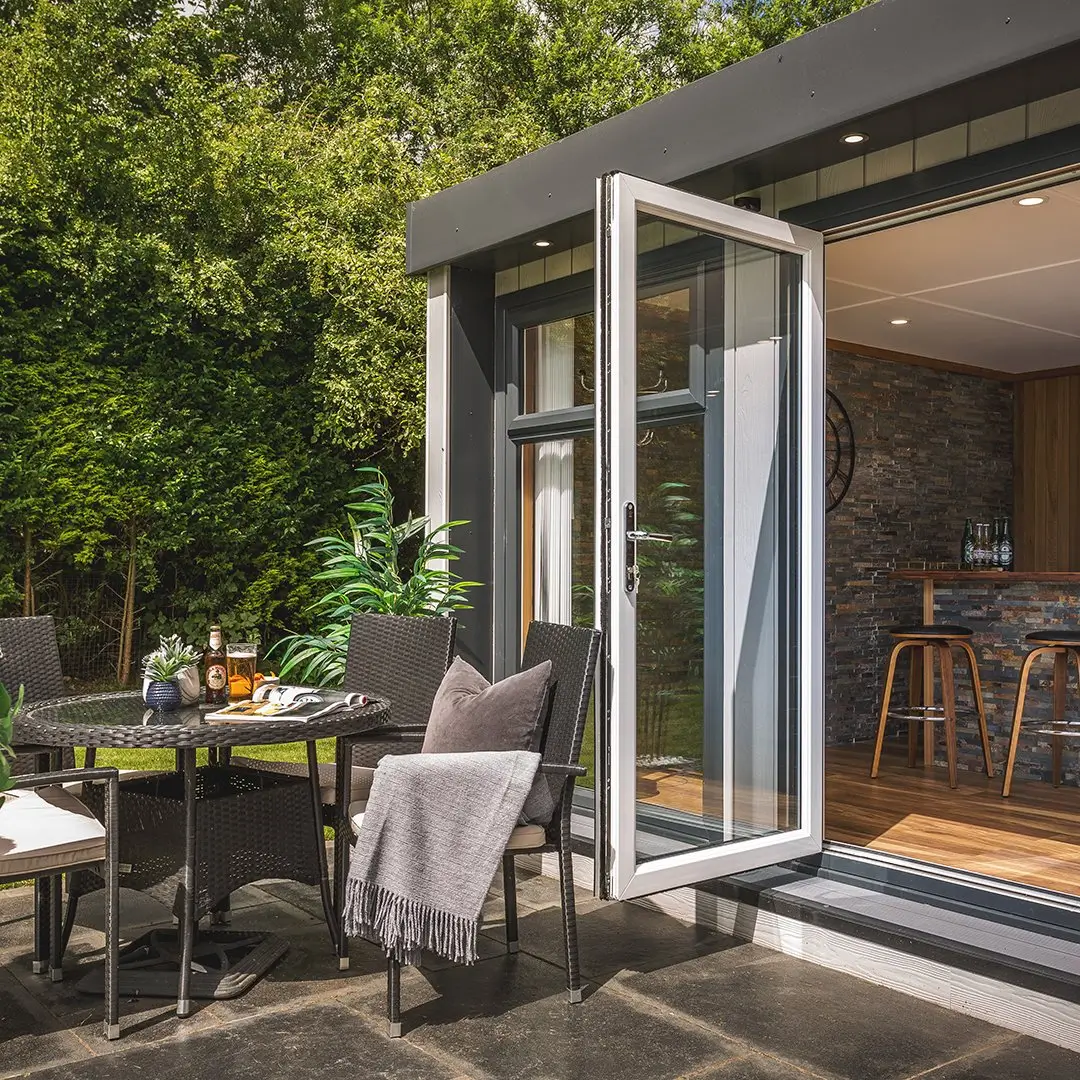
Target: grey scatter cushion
[471,714]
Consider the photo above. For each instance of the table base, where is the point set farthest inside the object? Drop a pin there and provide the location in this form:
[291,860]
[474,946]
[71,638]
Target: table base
[226,964]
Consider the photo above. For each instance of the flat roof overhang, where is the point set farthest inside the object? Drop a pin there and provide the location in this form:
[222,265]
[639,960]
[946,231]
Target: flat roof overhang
[895,70]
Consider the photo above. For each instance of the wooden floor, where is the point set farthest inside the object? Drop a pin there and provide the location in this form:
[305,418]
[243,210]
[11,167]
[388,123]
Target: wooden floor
[1032,837]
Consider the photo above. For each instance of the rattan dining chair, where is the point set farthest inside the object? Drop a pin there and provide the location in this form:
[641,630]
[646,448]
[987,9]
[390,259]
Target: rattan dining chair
[45,832]
[401,658]
[30,658]
[573,652]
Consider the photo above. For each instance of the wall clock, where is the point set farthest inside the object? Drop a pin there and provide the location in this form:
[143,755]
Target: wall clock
[839,451]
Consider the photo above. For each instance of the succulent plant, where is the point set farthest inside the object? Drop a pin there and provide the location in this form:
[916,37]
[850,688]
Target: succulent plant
[170,658]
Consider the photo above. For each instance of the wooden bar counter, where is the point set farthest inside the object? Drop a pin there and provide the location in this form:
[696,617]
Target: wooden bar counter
[932,578]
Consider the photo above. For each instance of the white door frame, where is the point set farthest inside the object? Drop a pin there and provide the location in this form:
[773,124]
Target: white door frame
[620,198]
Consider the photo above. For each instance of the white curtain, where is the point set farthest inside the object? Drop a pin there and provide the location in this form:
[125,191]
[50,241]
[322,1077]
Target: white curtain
[554,480]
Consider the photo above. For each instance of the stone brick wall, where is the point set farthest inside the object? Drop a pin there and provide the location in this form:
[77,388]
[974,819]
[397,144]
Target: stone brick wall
[932,447]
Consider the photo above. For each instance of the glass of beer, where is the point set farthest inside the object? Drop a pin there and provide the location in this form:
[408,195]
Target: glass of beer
[240,657]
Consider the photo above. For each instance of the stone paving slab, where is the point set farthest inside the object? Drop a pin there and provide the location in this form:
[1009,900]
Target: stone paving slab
[664,1002]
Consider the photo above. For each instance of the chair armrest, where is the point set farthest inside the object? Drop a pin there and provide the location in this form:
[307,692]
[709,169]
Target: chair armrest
[66,776]
[413,733]
[562,770]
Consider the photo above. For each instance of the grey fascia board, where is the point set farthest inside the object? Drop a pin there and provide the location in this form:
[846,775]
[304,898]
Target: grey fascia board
[880,58]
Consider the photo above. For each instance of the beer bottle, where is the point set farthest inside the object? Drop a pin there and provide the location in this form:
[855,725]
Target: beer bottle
[967,548]
[995,547]
[215,676]
[1006,544]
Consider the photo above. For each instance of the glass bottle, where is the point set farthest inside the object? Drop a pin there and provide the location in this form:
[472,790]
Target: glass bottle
[215,676]
[1006,544]
[967,547]
[995,544]
[982,545]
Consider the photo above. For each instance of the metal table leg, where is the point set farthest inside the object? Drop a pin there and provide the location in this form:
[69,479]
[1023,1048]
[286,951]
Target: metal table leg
[342,832]
[187,917]
[320,845]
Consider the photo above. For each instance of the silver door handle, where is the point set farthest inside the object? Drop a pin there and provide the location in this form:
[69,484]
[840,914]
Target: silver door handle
[637,535]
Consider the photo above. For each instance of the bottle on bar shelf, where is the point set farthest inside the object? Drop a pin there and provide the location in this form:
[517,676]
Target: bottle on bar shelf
[1006,545]
[215,676]
[967,547]
[995,544]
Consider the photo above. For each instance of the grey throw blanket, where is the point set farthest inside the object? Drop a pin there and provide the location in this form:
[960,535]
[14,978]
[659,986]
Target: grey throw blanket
[433,834]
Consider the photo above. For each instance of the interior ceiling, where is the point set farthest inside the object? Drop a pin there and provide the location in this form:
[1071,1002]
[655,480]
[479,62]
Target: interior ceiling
[993,286]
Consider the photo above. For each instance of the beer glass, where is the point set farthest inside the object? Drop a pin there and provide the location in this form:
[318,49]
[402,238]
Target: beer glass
[240,657]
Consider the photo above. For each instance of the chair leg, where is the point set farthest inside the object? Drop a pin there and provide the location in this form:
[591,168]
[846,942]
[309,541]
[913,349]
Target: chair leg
[914,698]
[569,912]
[112,911]
[1057,742]
[980,705]
[886,697]
[948,701]
[56,931]
[1018,712]
[393,998]
[510,902]
[43,888]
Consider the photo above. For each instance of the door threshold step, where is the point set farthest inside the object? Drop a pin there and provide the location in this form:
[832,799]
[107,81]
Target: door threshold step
[1020,952]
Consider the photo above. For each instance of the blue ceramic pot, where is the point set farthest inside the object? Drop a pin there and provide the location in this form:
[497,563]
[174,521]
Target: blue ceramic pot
[163,696]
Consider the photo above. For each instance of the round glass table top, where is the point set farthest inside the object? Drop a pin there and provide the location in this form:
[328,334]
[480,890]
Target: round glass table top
[123,720]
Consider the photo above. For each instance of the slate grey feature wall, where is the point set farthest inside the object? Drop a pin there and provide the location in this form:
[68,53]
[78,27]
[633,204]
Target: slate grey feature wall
[932,447]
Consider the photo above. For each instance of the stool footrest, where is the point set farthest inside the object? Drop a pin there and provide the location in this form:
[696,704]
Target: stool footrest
[930,713]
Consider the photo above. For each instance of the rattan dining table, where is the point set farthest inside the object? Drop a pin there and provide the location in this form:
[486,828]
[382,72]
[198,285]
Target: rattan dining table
[203,831]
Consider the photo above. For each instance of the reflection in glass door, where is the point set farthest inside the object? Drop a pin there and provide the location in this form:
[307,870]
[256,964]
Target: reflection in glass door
[710,372]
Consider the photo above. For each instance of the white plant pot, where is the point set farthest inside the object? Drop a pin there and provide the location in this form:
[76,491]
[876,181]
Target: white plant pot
[189,682]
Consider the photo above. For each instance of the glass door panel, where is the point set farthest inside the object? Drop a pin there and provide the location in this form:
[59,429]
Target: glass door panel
[709,559]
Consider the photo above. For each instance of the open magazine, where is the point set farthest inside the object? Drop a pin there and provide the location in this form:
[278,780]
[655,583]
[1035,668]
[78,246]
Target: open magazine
[272,701]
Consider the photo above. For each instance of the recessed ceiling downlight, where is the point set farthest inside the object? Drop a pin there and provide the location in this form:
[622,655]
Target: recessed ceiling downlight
[899,322]
[541,243]
[853,138]
[1031,200]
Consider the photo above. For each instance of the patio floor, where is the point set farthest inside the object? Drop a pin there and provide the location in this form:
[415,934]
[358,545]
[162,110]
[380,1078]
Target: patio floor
[664,1001]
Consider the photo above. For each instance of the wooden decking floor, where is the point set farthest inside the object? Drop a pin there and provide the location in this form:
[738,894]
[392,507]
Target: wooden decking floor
[1033,837]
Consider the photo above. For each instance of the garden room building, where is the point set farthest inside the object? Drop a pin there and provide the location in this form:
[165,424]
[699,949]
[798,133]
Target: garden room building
[725,375]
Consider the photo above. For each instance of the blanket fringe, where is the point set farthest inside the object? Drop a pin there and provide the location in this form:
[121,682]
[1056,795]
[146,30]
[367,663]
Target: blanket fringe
[405,927]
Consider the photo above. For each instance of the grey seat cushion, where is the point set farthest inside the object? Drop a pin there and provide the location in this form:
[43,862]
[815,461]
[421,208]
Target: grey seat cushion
[523,838]
[361,775]
[470,714]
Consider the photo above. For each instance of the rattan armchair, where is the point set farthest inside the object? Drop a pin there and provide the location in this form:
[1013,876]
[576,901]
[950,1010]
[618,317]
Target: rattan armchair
[45,832]
[573,652]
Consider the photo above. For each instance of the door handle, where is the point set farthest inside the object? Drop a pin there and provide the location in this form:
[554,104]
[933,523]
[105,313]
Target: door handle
[637,535]
[633,537]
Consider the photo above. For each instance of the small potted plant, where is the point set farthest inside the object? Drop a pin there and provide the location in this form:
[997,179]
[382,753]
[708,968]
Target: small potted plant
[8,711]
[171,675]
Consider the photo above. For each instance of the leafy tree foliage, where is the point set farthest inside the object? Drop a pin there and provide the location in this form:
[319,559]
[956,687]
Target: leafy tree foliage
[204,319]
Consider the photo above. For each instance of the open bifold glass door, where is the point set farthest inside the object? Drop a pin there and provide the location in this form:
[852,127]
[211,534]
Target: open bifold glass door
[710,538]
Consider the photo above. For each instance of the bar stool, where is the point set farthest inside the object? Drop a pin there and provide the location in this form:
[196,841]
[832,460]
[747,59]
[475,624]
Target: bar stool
[940,639]
[1060,644]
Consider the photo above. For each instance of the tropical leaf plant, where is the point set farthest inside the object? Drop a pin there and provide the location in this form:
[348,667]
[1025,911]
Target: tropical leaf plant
[373,566]
[8,711]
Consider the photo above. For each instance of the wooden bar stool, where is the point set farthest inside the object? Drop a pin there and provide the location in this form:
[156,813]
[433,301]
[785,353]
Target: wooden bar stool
[1060,644]
[940,639]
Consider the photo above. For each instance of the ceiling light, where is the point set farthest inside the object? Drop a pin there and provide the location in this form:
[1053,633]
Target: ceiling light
[853,138]
[1031,200]
[541,243]
[898,322]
